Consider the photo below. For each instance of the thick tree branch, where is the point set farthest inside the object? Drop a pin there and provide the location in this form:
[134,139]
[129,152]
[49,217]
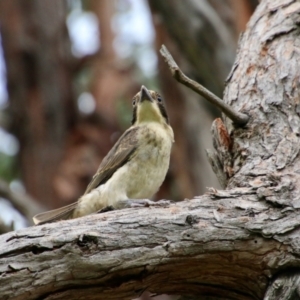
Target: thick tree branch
[209,241]
[237,117]
[235,244]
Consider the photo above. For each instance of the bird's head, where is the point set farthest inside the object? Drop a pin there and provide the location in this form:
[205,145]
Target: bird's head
[148,106]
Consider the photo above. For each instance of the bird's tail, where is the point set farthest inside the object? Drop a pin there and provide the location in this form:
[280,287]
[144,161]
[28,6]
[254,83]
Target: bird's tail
[62,213]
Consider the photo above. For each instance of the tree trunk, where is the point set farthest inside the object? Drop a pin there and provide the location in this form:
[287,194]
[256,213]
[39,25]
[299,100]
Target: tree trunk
[239,243]
[198,246]
[41,106]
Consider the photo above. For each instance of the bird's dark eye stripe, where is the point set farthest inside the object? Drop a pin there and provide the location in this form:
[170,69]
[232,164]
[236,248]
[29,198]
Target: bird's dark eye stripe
[159,99]
[134,117]
[163,112]
[133,102]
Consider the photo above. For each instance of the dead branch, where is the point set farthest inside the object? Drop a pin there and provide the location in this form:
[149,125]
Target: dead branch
[26,205]
[211,241]
[237,117]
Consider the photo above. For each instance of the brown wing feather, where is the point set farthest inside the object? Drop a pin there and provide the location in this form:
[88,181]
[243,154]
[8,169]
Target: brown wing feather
[121,153]
[61,213]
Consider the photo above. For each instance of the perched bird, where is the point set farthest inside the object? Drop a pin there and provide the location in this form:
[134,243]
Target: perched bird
[133,169]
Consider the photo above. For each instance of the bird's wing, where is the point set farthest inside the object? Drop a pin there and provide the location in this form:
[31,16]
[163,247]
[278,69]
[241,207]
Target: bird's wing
[121,153]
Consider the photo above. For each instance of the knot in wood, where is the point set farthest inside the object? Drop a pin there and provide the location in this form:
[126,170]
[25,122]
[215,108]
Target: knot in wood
[190,219]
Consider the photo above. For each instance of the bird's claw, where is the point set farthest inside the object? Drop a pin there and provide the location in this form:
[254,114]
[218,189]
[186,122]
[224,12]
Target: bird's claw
[105,209]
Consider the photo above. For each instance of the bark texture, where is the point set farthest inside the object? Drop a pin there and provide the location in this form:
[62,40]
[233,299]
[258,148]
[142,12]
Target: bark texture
[239,243]
[192,247]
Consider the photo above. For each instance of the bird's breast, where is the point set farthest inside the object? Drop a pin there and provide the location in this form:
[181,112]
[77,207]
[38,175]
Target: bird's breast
[149,166]
[145,171]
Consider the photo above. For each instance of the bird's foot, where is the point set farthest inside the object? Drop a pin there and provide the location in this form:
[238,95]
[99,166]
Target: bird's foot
[131,203]
[105,209]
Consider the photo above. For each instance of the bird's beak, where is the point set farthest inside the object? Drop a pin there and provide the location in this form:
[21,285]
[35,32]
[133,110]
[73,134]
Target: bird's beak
[145,95]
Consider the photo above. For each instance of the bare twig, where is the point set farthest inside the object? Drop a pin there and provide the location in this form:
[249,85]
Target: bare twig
[22,202]
[237,117]
[6,228]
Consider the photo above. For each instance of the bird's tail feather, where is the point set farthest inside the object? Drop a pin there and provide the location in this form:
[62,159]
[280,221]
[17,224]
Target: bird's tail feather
[62,213]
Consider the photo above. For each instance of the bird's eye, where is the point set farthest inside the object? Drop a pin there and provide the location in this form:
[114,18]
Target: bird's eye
[159,99]
[133,102]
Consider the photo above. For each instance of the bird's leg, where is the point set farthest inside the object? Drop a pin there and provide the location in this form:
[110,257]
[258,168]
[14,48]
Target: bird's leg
[130,203]
[106,209]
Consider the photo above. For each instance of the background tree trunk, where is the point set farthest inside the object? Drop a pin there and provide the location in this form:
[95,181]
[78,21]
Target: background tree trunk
[237,243]
[202,36]
[42,110]
[192,247]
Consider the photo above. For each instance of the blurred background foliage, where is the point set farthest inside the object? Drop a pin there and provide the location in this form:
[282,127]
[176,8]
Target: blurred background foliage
[68,71]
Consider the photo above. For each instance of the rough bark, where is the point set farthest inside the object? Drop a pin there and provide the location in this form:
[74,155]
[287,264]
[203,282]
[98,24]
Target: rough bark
[239,243]
[199,246]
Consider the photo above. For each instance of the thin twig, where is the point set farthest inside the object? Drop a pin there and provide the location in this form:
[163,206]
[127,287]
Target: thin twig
[6,228]
[27,206]
[237,117]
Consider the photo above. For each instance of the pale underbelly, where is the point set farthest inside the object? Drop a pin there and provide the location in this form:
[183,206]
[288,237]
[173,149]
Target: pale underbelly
[139,178]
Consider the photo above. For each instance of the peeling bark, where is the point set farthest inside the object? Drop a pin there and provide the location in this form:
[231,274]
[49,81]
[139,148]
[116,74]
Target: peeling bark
[238,243]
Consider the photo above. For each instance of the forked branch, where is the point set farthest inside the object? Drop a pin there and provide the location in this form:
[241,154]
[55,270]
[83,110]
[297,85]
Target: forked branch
[237,117]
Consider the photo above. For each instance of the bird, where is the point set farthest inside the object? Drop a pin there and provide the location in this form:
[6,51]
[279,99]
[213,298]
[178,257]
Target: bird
[133,170]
